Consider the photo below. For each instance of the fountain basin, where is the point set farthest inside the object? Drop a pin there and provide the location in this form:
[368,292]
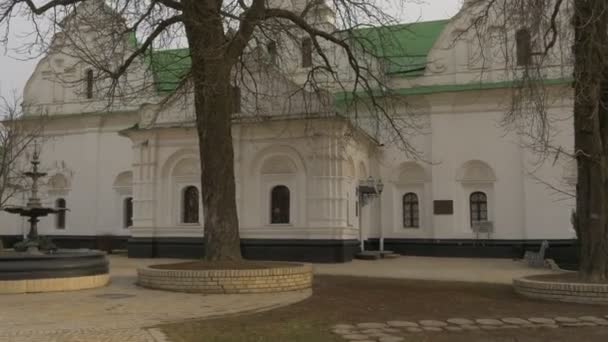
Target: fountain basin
[64,270]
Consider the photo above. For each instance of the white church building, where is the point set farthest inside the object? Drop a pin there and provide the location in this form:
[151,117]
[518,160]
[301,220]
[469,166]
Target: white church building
[129,173]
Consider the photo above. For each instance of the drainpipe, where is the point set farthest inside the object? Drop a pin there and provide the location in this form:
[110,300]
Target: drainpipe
[360,209]
[380,222]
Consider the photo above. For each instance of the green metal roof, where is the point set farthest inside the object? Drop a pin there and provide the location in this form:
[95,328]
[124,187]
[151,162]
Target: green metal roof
[169,68]
[403,47]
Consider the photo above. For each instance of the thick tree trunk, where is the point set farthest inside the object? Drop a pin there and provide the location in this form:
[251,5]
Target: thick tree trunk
[591,137]
[212,89]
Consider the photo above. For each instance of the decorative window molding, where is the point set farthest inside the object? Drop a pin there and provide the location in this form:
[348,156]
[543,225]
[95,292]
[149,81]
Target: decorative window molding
[476,171]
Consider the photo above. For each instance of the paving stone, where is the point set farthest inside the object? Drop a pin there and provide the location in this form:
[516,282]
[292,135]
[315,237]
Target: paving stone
[515,320]
[343,331]
[488,321]
[454,329]
[402,324]
[562,319]
[355,337]
[470,327]
[379,335]
[432,328]
[460,321]
[431,323]
[580,324]
[371,325]
[371,331]
[391,339]
[414,329]
[343,326]
[593,319]
[552,326]
[540,320]
[391,330]
[509,326]
[489,327]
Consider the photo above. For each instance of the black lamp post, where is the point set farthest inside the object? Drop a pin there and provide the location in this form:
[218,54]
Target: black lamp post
[367,190]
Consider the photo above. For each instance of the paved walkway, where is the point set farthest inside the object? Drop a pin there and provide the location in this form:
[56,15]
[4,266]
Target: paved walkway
[120,312]
[123,312]
[497,271]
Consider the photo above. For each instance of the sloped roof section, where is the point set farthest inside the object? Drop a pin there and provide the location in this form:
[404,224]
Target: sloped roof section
[404,48]
[169,68]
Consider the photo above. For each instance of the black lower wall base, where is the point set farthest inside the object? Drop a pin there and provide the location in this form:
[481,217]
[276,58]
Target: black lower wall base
[253,249]
[564,252]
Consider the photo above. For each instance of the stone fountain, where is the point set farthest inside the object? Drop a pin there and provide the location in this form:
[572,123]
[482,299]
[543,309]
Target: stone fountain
[36,265]
[33,209]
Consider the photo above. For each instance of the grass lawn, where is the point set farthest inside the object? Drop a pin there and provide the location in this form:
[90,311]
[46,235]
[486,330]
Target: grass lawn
[353,300]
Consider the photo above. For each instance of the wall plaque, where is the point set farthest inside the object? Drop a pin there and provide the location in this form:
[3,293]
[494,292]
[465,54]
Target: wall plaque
[443,207]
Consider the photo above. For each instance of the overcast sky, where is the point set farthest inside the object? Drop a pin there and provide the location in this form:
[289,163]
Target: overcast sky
[15,68]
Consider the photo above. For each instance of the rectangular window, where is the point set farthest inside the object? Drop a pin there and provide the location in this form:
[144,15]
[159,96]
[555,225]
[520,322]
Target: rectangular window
[524,47]
[306,52]
[272,52]
[89,80]
[236,99]
[60,216]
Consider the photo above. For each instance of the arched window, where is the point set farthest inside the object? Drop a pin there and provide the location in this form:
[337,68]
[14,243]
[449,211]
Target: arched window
[524,47]
[128,212]
[279,205]
[89,81]
[60,216]
[190,205]
[306,52]
[479,207]
[411,214]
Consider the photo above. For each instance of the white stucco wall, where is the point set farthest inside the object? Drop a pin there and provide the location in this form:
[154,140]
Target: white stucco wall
[323,161]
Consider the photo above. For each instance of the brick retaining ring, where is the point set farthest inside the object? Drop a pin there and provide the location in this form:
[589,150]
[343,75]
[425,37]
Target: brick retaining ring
[292,277]
[562,291]
[53,284]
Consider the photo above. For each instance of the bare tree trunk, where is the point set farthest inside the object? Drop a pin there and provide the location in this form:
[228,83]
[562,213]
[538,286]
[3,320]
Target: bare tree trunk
[591,136]
[213,105]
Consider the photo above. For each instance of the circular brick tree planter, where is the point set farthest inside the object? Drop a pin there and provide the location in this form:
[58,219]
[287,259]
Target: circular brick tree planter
[563,288]
[278,278]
